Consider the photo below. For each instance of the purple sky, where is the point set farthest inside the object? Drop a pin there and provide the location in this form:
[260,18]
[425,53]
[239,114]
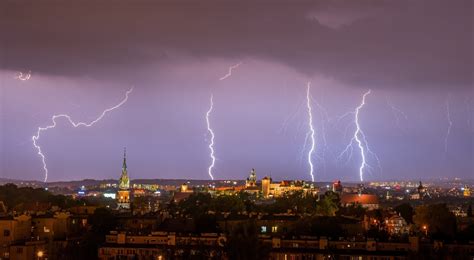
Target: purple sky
[414,55]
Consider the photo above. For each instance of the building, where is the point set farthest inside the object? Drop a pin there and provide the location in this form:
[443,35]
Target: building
[266,183]
[396,224]
[160,245]
[172,245]
[423,191]
[123,193]
[368,201]
[266,188]
[13,229]
[251,180]
[467,191]
[278,189]
[29,250]
[337,186]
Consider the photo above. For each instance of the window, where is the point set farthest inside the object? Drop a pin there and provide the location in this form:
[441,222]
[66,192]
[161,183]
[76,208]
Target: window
[6,233]
[263,229]
[274,229]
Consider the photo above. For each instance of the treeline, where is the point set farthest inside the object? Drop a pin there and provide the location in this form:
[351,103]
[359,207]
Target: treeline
[297,202]
[20,198]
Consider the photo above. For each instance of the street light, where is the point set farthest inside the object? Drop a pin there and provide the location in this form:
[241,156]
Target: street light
[425,228]
[40,254]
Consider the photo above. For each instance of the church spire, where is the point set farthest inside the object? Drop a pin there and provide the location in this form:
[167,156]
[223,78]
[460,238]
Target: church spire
[124,182]
[124,166]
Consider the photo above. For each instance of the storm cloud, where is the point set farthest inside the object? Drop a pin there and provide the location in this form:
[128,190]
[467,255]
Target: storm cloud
[398,44]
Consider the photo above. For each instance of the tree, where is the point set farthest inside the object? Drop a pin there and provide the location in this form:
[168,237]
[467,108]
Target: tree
[466,234]
[243,243]
[406,211]
[329,205]
[436,220]
[196,204]
[102,221]
[228,203]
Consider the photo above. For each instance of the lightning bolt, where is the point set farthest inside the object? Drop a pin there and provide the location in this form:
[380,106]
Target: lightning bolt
[23,76]
[360,139]
[324,119]
[229,73]
[450,125]
[311,131]
[36,137]
[396,112]
[211,143]
[209,128]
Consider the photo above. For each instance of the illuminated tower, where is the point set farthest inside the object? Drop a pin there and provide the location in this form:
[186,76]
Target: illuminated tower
[266,181]
[123,193]
[251,180]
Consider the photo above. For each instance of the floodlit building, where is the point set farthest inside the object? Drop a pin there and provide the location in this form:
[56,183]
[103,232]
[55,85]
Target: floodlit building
[278,189]
[251,181]
[267,188]
[467,191]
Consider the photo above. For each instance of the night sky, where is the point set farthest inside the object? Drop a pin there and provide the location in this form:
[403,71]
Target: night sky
[416,57]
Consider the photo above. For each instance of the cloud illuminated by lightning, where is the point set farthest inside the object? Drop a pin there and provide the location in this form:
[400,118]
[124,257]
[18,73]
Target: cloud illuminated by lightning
[360,139]
[23,76]
[229,73]
[74,124]
[311,131]
[211,143]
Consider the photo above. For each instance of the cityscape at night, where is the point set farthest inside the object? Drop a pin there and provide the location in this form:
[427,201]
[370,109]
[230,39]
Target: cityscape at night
[267,129]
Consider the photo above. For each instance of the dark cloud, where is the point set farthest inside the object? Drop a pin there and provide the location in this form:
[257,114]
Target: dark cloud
[368,43]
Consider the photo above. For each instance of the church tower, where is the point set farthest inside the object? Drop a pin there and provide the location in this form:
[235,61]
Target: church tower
[123,193]
[251,181]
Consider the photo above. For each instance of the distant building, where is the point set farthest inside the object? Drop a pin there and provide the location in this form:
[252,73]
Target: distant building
[123,193]
[266,183]
[278,189]
[267,188]
[467,191]
[423,191]
[368,201]
[251,180]
[337,186]
[396,225]
[184,188]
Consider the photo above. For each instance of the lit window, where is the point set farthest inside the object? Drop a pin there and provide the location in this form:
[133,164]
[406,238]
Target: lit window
[264,229]
[275,229]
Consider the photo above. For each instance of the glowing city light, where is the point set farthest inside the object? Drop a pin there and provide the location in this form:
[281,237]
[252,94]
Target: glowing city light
[36,137]
[311,131]
[360,139]
[229,73]
[211,143]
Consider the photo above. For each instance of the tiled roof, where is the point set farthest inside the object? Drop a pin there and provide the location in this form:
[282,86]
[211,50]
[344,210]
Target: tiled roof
[360,199]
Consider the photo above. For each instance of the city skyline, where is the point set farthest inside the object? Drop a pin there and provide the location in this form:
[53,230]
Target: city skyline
[418,119]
